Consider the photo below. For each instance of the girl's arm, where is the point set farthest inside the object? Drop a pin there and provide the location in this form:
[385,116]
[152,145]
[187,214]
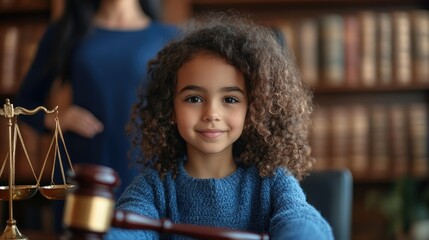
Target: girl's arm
[293,217]
[144,196]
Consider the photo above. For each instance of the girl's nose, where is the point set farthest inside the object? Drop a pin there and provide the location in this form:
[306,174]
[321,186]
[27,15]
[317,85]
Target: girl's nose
[211,113]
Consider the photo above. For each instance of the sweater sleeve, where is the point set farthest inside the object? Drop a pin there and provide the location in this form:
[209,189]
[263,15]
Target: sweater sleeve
[292,216]
[36,84]
[144,196]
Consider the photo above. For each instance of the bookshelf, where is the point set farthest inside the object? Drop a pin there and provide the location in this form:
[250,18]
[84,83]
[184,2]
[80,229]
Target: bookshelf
[367,54]
[368,64]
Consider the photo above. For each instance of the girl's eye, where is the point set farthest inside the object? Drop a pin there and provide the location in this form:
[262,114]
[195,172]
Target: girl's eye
[193,99]
[230,100]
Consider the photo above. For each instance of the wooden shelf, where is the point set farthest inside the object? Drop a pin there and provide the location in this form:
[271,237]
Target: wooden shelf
[332,3]
[19,6]
[375,89]
[383,178]
[288,5]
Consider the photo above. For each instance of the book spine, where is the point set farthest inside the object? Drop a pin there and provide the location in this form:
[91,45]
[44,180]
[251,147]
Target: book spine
[379,139]
[418,120]
[368,48]
[402,46]
[351,50]
[398,139]
[319,138]
[420,43]
[339,136]
[359,139]
[9,59]
[332,49]
[288,30]
[308,47]
[384,49]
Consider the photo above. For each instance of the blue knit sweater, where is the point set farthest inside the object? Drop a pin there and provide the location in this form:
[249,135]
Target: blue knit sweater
[244,201]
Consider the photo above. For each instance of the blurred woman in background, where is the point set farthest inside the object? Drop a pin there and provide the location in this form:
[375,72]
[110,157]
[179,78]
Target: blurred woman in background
[100,49]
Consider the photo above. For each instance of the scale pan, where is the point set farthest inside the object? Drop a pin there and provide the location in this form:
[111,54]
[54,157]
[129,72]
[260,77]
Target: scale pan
[20,192]
[56,192]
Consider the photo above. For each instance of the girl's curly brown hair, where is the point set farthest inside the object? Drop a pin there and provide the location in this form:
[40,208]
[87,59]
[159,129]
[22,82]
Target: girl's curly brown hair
[278,117]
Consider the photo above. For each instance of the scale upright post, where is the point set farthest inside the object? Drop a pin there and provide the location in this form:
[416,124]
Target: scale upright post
[9,112]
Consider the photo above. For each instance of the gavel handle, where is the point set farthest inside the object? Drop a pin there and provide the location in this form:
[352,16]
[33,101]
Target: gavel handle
[129,220]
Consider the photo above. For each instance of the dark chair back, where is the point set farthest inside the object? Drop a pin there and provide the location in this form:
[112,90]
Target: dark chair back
[331,192]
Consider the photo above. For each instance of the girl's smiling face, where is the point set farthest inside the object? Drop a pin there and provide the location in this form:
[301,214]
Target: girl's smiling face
[210,104]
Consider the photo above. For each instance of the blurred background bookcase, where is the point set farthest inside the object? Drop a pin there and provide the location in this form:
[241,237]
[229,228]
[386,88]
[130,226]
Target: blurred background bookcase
[367,62]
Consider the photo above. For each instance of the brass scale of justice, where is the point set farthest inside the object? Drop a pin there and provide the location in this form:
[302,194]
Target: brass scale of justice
[22,192]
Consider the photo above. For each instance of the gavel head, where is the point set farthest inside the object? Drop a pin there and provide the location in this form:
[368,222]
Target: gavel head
[89,207]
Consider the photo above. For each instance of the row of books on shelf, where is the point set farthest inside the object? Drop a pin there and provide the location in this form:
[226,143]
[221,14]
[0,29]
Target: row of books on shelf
[18,44]
[372,140]
[362,49]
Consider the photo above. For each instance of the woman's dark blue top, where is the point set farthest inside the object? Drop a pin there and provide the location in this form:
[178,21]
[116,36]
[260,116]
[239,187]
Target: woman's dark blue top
[107,67]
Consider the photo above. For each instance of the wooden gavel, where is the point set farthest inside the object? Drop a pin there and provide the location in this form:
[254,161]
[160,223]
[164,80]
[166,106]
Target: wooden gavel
[90,211]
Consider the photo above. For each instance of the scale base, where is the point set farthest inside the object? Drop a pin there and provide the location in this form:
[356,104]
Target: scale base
[11,231]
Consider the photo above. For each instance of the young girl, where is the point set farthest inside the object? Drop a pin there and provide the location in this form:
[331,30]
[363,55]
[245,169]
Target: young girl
[223,135]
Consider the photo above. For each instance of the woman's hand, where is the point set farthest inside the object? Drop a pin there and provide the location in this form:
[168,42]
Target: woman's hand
[77,120]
